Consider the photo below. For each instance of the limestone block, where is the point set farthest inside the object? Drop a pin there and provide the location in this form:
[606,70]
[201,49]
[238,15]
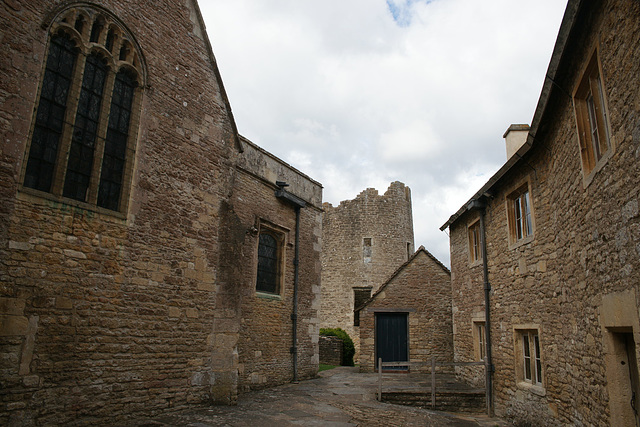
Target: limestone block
[75,254]
[64,303]
[31,381]
[226,325]
[13,325]
[630,209]
[21,246]
[12,306]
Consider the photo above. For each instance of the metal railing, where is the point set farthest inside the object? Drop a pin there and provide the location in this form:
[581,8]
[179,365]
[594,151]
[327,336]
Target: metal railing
[432,364]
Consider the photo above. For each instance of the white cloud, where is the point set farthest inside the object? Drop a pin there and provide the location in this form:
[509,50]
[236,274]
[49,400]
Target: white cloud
[413,141]
[356,96]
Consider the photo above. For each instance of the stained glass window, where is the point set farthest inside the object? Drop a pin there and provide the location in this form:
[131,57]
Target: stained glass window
[51,113]
[80,163]
[115,148]
[81,148]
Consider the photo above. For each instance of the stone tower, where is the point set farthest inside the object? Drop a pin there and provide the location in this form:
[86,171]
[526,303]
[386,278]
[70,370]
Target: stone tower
[364,241]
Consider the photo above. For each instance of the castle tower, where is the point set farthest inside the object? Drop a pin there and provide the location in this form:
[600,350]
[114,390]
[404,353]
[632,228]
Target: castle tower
[364,241]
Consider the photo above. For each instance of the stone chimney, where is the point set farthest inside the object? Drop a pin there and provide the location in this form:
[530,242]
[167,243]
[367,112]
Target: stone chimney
[515,137]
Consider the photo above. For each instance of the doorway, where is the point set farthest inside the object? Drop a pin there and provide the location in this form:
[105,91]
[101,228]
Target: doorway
[392,339]
[623,378]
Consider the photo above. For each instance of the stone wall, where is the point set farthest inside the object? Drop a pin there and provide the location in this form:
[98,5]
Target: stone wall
[105,314]
[330,350]
[346,264]
[575,281]
[265,323]
[422,288]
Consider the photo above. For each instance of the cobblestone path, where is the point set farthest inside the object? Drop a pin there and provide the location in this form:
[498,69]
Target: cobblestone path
[339,397]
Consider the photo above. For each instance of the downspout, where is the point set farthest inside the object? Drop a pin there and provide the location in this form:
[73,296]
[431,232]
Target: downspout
[480,205]
[294,314]
[297,203]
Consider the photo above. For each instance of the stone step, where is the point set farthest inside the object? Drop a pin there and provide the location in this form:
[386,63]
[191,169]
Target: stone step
[456,401]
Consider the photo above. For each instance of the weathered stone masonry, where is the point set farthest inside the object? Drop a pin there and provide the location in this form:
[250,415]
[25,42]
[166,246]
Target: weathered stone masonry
[347,263]
[265,325]
[421,287]
[105,314]
[575,280]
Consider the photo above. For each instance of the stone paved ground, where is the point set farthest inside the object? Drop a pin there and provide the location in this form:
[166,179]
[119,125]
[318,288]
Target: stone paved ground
[339,397]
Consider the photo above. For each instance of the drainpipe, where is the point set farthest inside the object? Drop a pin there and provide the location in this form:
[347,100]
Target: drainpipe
[294,314]
[297,203]
[481,206]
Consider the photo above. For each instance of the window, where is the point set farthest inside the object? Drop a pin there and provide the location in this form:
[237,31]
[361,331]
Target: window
[479,335]
[270,244]
[367,250]
[591,117]
[528,354]
[475,248]
[84,128]
[531,358]
[519,213]
[360,296]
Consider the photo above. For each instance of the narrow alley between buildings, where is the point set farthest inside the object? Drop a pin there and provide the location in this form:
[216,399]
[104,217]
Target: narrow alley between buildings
[338,397]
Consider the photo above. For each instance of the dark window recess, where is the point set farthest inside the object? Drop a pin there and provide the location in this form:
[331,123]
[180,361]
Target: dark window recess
[360,296]
[50,113]
[79,25]
[124,51]
[81,144]
[115,149]
[367,251]
[85,130]
[267,264]
[95,32]
[110,39]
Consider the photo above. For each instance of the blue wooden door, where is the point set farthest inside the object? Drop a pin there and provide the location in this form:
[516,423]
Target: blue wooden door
[392,339]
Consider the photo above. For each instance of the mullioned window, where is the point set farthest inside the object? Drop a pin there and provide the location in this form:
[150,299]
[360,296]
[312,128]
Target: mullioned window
[82,141]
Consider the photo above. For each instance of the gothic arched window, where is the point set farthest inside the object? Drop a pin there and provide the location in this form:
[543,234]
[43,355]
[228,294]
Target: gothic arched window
[84,130]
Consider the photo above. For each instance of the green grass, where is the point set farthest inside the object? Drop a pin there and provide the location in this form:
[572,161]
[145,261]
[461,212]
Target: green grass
[322,367]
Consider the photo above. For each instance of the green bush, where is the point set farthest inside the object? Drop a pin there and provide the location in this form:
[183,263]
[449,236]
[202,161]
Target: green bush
[348,350]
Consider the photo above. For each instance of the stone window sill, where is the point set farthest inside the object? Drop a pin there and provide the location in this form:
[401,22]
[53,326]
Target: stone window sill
[475,263]
[522,242]
[533,388]
[64,203]
[266,295]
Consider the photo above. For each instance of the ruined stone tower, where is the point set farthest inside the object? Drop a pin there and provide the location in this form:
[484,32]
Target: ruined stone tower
[364,241]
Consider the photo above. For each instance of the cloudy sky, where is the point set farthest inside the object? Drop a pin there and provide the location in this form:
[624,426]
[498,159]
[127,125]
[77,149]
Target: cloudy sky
[360,93]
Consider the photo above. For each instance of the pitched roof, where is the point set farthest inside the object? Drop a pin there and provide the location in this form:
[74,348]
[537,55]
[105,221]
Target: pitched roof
[421,249]
[549,86]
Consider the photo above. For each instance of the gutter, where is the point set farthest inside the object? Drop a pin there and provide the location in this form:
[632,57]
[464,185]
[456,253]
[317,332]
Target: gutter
[479,200]
[549,85]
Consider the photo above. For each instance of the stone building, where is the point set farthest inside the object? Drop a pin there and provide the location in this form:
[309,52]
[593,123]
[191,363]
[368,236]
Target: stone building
[150,257]
[409,317]
[364,241]
[554,238]
[266,340]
